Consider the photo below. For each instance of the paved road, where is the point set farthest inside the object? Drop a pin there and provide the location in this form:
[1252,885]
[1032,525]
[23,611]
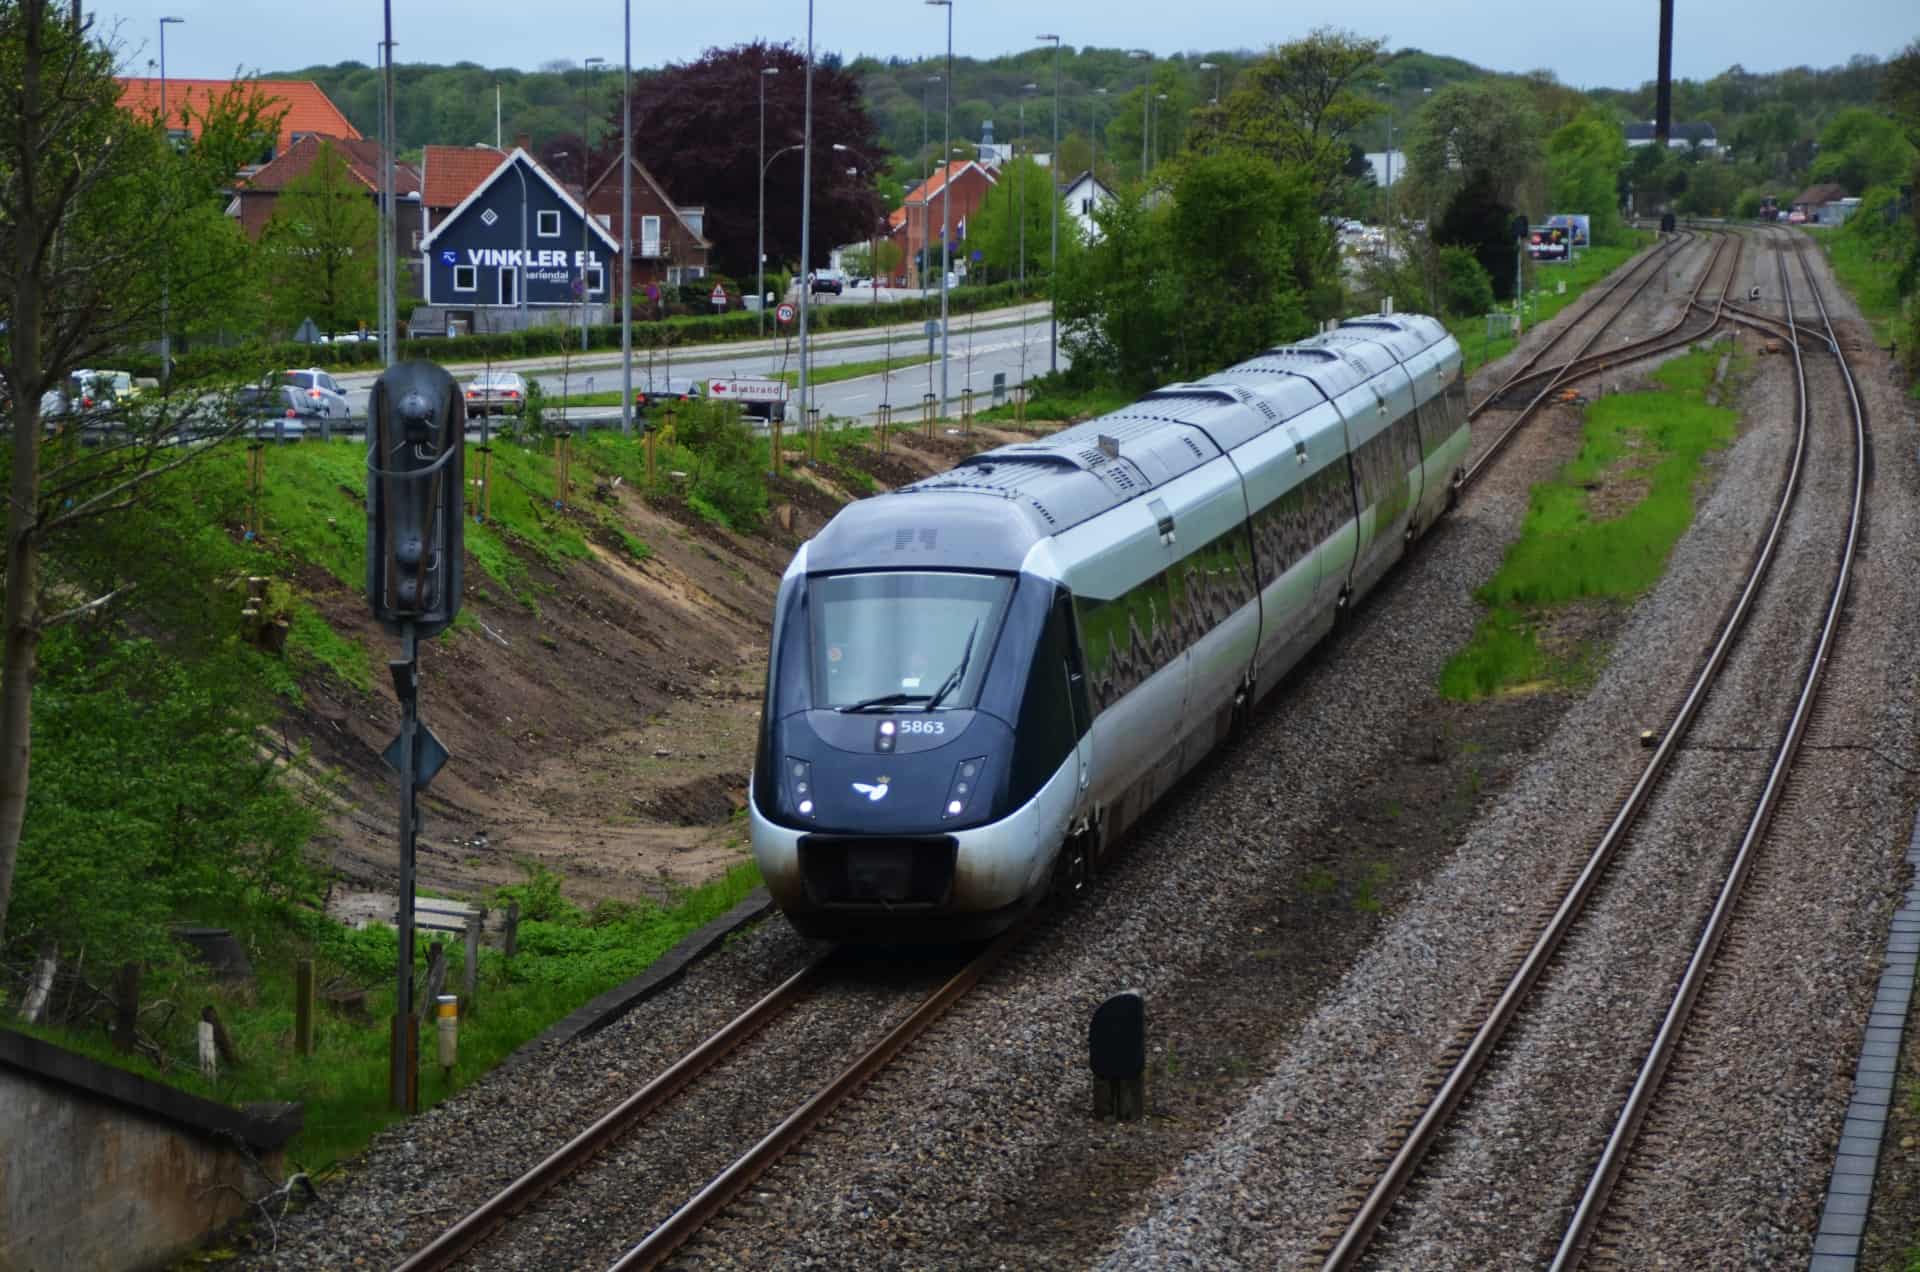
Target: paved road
[994,337]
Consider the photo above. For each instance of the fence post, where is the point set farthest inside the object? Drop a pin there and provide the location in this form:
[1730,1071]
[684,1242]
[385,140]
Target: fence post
[561,463]
[222,1041]
[885,417]
[648,435]
[513,928]
[470,974]
[966,406]
[813,433]
[926,412]
[256,484]
[436,970]
[41,985]
[774,421]
[303,1007]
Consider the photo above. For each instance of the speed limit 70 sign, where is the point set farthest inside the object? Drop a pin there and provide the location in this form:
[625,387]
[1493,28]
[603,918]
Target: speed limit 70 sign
[784,314]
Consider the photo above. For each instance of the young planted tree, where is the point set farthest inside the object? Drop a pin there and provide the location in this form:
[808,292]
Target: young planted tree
[320,250]
[1025,192]
[100,219]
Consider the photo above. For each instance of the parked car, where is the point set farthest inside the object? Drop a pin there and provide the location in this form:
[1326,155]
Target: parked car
[84,393]
[120,382]
[329,398]
[492,392]
[1796,217]
[276,411]
[665,389]
[831,281]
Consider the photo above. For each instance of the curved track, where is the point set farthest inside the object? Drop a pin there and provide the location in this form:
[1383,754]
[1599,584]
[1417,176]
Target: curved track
[1351,1235]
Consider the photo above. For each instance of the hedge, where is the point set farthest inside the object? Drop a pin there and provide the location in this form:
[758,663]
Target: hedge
[246,361]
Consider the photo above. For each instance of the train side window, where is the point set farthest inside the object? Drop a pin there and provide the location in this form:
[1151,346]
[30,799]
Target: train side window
[1062,621]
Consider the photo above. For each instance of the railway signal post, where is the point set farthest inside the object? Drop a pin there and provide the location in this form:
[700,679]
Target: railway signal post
[416,486]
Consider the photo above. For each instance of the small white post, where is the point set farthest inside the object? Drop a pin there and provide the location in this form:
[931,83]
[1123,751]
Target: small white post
[209,1053]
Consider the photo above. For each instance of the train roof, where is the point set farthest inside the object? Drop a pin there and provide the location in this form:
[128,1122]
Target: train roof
[1054,483]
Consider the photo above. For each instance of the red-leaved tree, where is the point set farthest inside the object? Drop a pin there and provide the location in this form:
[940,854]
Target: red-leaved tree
[697,129]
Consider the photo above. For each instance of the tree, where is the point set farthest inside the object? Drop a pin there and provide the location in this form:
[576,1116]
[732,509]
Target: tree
[1478,220]
[1484,133]
[320,250]
[1299,103]
[100,219]
[1584,160]
[709,109]
[1863,148]
[994,230]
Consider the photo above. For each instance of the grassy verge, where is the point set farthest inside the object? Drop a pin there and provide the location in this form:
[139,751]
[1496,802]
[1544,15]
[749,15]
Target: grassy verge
[1599,533]
[565,958]
[831,374]
[1053,401]
[1543,301]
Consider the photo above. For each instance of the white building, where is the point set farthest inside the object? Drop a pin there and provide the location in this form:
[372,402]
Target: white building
[1082,195]
[1389,166]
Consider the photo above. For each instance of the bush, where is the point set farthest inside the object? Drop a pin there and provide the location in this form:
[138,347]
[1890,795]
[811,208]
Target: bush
[1467,288]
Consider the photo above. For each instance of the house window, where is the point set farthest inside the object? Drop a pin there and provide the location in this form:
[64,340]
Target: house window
[464,278]
[596,280]
[649,236]
[1086,207]
[673,275]
[695,271]
[547,224]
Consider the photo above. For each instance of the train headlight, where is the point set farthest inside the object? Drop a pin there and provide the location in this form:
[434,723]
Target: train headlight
[966,780]
[800,785]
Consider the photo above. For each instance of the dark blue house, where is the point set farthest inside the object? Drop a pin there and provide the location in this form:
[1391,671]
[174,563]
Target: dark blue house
[519,228]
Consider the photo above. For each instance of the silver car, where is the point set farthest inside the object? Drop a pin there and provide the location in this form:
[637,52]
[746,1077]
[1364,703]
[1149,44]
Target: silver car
[494,391]
[323,395]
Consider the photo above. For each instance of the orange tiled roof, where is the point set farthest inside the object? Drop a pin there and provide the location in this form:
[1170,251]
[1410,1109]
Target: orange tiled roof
[450,173]
[308,109]
[931,187]
[363,161]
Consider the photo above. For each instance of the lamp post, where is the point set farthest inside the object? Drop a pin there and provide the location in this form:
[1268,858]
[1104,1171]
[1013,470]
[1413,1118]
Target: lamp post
[626,229]
[1098,93]
[166,337]
[1053,253]
[1384,87]
[946,197]
[1158,97]
[1025,90]
[764,169]
[760,273]
[1215,68]
[586,158]
[1146,105]
[806,213]
[926,193]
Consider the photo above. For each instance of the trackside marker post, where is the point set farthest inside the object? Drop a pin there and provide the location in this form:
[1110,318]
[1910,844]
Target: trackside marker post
[1117,1054]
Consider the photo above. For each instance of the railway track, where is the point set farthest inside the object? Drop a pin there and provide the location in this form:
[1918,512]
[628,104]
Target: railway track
[493,1220]
[1346,1240]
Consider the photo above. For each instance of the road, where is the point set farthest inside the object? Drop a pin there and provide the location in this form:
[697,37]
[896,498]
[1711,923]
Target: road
[979,345]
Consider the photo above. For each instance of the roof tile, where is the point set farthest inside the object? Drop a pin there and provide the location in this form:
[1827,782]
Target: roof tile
[308,109]
[451,173]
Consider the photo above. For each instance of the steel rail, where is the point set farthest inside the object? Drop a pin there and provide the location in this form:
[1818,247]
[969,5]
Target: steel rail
[1466,1069]
[470,1231]
[1613,1159]
[1569,370]
[1663,254]
[660,1244]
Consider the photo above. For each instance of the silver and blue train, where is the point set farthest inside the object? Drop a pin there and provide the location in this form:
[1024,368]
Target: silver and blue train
[979,681]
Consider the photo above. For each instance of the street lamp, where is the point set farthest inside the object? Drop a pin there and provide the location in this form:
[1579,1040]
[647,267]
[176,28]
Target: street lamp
[166,339]
[946,198]
[760,274]
[1098,93]
[626,228]
[1387,88]
[806,213]
[586,175]
[1159,97]
[1146,104]
[926,193]
[1053,254]
[1025,91]
[1214,67]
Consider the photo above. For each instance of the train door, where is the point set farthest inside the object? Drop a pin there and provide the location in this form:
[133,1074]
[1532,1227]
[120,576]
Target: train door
[1077,702]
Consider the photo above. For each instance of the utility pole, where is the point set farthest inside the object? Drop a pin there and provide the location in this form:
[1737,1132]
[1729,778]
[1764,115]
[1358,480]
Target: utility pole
[1053,178]
[389,315]
[946,199]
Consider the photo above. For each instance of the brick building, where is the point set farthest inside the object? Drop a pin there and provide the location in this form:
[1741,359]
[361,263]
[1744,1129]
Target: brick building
[915,222]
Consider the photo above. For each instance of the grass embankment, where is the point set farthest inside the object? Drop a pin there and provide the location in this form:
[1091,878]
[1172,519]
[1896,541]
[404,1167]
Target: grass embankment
[1543,300]
[831,374]
[1601,532]
[1867,277]
[1056,402]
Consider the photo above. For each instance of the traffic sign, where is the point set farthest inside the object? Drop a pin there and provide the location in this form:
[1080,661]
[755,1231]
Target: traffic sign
[719,296]
[784,314]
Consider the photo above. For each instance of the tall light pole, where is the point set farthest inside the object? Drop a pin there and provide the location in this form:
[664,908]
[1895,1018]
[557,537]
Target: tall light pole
[1158,97]
[1098,93]
[926,212]
[586,175]
[166,336]
[1387,88]
[390,230]
[1146,105]
[806,215]
[626,229]
[946,197]
[1025,90]
[760,274]
[1053,254]
[1215,68]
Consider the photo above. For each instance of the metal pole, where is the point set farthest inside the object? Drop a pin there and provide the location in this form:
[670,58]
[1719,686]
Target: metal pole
[626,233]
[586,174]
[760,241]
[407,680]
[389,315]
[1021,201]
[386,230]
[806,213]
[946,198]
[526,248]
[1053,253]
[166,325]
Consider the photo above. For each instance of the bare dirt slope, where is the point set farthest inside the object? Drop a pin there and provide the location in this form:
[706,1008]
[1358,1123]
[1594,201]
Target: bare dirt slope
[607,737]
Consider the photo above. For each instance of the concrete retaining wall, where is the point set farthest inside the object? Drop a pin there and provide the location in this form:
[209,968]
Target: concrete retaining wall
[104,1170]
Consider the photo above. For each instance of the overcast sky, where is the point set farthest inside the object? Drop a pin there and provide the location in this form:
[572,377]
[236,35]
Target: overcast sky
[1588,44]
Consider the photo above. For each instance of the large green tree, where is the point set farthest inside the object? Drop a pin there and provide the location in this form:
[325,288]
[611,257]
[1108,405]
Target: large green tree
[1024,193]
[1584,159]
[1176,289]
[1486,132]
[1299,104]
[320,252]
[1863,148]
[103,224]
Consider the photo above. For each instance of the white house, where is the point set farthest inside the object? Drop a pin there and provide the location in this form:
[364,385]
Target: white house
[1389,166]
[1679,137]
[1082,195]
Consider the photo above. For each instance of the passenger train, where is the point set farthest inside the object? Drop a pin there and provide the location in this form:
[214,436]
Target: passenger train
[979,681]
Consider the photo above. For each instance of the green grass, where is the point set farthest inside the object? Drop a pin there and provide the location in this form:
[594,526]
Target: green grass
[830,374]
[562,963]
[1057,402]
[1543,301]
[1875,286]
[1566,553]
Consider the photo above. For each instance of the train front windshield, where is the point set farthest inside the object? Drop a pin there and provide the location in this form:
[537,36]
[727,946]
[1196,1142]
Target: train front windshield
[903,641]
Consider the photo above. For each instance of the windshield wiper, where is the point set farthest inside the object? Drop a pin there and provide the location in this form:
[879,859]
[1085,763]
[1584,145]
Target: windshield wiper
[884,700]
[955,676]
